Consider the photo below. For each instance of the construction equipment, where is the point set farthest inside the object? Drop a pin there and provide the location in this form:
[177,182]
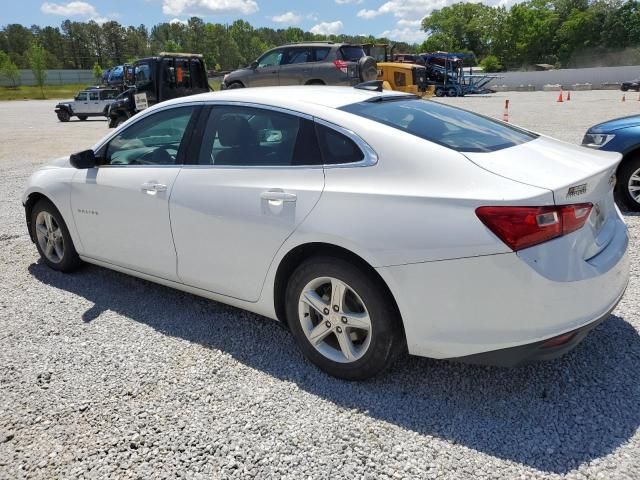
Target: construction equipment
[446,71]
[399,76]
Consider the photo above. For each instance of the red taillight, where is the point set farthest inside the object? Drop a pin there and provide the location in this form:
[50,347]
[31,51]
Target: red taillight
[523,227]
[341,65]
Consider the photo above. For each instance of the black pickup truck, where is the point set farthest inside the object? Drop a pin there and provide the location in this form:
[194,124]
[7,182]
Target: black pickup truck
[156,79]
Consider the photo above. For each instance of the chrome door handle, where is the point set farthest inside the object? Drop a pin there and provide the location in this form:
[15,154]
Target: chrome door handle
[278,196]
[153,188]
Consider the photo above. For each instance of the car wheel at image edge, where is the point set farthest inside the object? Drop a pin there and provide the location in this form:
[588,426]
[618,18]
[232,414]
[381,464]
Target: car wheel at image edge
[343,320]
[628,189]
[52,238]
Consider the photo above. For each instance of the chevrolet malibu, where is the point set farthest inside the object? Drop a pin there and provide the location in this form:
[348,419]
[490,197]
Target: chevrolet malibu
[371,222]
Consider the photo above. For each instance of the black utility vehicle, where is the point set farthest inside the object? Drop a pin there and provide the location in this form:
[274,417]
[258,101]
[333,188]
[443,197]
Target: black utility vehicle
[156,79]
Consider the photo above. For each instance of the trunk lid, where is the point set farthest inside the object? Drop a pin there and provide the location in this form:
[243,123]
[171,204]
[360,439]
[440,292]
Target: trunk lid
[574,175]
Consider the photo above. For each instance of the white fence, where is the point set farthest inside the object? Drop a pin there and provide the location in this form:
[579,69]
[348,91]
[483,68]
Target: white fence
[54,77]
[570,76]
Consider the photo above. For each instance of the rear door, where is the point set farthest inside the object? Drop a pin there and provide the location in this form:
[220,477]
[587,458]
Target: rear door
[296,66]
[255,177]
[94,102]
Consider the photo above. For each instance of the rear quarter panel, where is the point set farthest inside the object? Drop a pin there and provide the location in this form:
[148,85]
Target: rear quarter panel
[417,204]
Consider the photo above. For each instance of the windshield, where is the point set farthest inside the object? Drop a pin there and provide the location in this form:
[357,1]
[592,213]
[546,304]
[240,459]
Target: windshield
[448,126]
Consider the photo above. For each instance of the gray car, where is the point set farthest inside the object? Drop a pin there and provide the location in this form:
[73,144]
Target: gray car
[92,102]
[310,63]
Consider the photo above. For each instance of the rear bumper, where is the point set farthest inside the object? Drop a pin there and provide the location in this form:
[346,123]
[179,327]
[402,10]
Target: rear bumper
[470,306]
[537,351]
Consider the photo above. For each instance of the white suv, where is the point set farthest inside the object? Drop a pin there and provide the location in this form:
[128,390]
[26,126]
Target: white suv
[93,102]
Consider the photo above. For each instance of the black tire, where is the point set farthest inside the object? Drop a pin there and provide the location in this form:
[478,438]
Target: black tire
[367,69]
[452,92]
[82,117]
[70,260]
[64,116]
[316,82]
[439,92]
[235,85]
[119,121]
[386,337]
[630,166]
[624,88]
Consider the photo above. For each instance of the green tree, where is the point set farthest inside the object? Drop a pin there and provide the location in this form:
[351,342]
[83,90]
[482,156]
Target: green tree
[172,46]
[97,72]
[38,63]
[491,64]
[9,70]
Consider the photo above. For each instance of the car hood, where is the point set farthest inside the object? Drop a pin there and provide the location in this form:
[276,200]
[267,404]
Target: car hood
[615,124]
[552,164]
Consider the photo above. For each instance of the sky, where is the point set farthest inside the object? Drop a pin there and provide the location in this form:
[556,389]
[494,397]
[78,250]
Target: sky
[398,20]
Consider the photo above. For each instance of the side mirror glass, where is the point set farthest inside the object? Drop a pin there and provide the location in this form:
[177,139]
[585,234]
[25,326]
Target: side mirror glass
[83,160]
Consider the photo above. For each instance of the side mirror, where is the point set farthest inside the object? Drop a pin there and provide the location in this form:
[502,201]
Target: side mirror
[83,160]
[254,65]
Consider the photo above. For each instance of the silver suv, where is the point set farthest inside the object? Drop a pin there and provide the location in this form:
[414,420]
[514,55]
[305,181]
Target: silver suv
[309,63]
[92,102]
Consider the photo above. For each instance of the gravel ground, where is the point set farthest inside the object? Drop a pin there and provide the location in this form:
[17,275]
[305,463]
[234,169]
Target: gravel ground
[106,376]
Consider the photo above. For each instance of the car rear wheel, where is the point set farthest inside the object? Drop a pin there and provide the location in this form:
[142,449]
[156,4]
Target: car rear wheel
[52,237]
[342,320]
[64,116]
[82,117]
[629,183]
[624,88]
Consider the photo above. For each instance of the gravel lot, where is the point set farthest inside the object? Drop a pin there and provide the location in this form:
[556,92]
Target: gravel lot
[106,376]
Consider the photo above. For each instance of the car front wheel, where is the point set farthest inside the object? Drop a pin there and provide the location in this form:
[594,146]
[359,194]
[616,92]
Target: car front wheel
[629,183]
[64,116]
[342,320]
[52,238]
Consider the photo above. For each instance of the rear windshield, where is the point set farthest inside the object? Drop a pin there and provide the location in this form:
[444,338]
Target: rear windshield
[451,127]
[351,54]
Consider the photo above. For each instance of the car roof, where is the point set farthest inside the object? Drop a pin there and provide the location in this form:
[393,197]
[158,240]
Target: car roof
[293,98]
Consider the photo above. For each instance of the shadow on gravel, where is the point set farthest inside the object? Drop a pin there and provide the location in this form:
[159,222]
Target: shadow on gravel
[551,416]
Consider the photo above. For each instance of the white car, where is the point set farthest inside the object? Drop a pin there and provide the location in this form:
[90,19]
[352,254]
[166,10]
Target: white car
[371,222]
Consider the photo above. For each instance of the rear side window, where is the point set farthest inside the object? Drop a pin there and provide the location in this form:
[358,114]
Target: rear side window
[337,148]
[298,55]
[351,54]
[257,137]
[448,126]
[321,53]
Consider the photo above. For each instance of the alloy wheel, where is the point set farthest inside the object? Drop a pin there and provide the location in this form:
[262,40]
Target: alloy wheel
[50,238]
[335,320]
[634,185]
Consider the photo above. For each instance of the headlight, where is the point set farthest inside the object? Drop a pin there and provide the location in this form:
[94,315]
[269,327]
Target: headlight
[597,140]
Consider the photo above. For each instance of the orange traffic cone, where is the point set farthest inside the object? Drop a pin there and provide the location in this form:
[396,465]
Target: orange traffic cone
[569,96]
[560,100]
[624,98]
[505,115]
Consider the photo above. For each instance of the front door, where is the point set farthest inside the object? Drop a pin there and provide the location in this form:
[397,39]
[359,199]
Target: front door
[94,103]
[266,72]
[121,208]
[81,104]
[258,174]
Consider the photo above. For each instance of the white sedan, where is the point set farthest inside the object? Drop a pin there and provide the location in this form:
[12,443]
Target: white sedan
[371,222]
